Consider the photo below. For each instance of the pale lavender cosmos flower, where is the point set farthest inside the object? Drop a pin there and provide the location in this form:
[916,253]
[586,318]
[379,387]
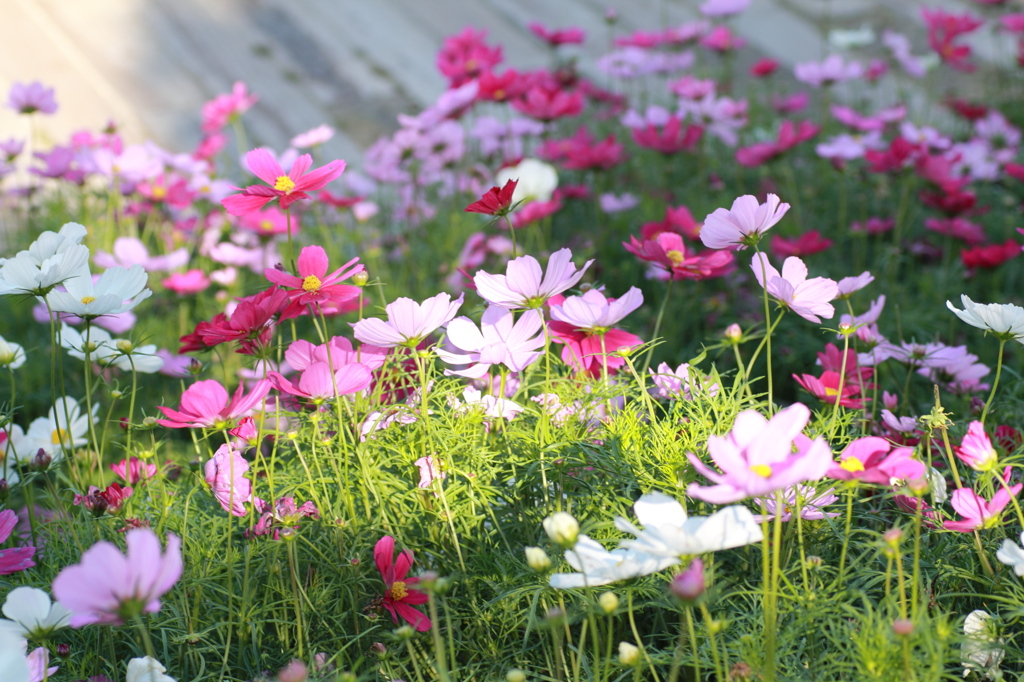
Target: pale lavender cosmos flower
[497,342]
[225,473]
[847,147]
[492,406]
[757,457]
[847,286]
[429,471]
[129,251]
[32,97]
[110,588]
[810,504]
[744,224]
[408,322]
[594,312]
[616,203]
[313,138]
[681,382]
[808,298]
[11,148]
[723,8]
[899,45]
[524,285]
[899,424]
[832,70]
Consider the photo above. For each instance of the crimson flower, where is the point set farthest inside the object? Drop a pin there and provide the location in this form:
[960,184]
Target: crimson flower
[990,256]
[497,201]
[671,138]
[398,596]
[313,284]
[806,244]
[287,188]
[251,323]
[500,88]
[556,37]
[547,102]
[790,135]
[109,499]
[668,251]
[943,29]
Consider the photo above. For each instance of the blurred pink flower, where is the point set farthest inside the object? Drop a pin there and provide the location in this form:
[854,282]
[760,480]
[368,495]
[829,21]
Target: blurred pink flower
[832,70]
[109,588]
[205,404]
[808,298]
[187,283]
[810,504]
[757,457]
[287,188]
[13,559]
[722,8]
[133,470]
[429,471]
[223,109]
[32,97]
[225,473]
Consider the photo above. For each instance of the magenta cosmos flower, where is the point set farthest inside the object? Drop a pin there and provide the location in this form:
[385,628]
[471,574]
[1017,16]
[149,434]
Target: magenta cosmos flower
[585,324]
[874,460]
[408,322]
[108,587]
[399,598]
[977,512]
[313,285]
[808,298]
[757,457]
[976,450]
[287,188]
[524,285]
[32,97]
[743,224]
[205,404]
[16,558]
[225,473]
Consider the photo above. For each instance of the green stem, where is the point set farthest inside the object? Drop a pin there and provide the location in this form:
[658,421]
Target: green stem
[657,325]
[995,382]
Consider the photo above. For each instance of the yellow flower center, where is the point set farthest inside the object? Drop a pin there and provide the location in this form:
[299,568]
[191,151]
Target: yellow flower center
[675,256]
[159,192]
[831,392]
[266,225]
[762,470]
[86,300]
[398,591]
[852,464]
[58,436]
[284,184]
[311,283]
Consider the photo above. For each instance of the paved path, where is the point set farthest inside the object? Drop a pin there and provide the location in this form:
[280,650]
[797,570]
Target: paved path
[355,64]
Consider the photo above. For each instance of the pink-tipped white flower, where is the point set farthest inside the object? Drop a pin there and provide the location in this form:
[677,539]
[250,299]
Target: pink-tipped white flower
[496,342]
[744,224]
[808,298]
[524,285]
[408,322]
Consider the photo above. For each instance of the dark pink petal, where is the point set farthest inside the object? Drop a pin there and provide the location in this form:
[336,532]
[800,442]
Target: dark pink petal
[244,204]
[384,556]
[313,261]
[321,176]
[403,563]
[413,617]
[264,166]
[299,168]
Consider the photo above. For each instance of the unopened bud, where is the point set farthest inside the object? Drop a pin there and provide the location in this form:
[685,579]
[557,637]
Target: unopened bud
[688,586]
[360,278]
[814,562]
[378,649]
[41,461]
[902,627]
[537,559]
[125,346]
[149,423]
[893,537]
[63,650]
[428,580]
[116,394]
[629,654]
[195,368]
[562,528]
[733,333]
[515,675]
[295,671]
[608,601]
[404,632]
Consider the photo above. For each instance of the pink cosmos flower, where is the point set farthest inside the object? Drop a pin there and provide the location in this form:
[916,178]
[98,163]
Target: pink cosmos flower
[826,389]
[723,8]
[721,39]
[585,324]
[976,449]
[408,322]
[554,38]
[847,286]
[874,460]
[129,251]
[313,138]
[976,511]
[496,342]
[287,188]
[187,283]
[524,285]
[399,598]
[225,474]
[808,298]
[810,505]
[222,109]
[313,285]
[16,558]
[318,383]
[672,260]
[743,224]
[681,382]
[429,471]
[133,470]
[757,457]
[109,588]
[205,404]
[832,70]
[282,516]
[807,244]
[32,97]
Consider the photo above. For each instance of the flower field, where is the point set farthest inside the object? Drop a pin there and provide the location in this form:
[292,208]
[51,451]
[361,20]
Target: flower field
[676,366]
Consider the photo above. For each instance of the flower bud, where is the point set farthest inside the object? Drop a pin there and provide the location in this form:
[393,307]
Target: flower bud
[814,562]
[125,346]
[63,650]
[295,671]
[404,632]
[741,671]
[149,423]
[562,528]
[893,537]
[515,675]
[428,580]
[378,649]
[733,333]
[688,586]
[116,394]
[608,601]
[902,627]
[195,368]
[41,461]
[629,654]
[360,278]
[537,559]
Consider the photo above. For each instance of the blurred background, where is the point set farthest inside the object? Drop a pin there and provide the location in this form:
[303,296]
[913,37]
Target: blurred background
[148,65]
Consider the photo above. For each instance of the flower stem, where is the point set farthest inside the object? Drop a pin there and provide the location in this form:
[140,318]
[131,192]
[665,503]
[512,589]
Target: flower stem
[657,325]
[995,382]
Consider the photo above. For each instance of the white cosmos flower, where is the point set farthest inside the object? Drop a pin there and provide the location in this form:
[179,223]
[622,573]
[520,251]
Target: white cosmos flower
[66,425]
[1005,320]
[16,446]
[116,291]
[31,613]
[107,351]
[536,180]
[598,566]
[147,669]
[1012,554]
[669,533]
[12,355]
[13,664]
[982,650]
[24,275]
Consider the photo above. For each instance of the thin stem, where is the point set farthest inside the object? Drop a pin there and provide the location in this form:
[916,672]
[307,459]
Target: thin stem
[657,325]
[995,382]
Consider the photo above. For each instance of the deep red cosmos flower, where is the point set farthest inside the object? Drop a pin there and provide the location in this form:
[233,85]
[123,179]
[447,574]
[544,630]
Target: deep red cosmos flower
[990,256]
[398,596]
[497,201]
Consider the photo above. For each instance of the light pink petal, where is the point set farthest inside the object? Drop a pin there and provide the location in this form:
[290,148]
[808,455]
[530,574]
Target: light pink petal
[299,168]
[523,275]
